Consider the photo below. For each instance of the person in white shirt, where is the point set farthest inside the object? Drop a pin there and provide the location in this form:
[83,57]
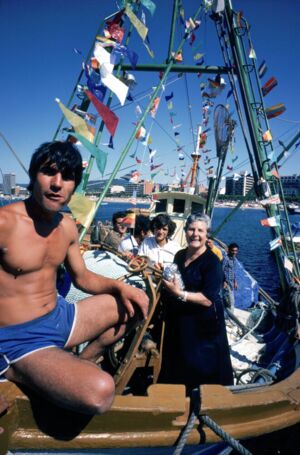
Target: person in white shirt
[130,245]
[160,249]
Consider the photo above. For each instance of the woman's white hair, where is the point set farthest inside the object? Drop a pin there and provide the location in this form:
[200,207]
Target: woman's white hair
[198,217]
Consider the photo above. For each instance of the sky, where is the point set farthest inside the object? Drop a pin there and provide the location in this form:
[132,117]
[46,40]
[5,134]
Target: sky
[39,64]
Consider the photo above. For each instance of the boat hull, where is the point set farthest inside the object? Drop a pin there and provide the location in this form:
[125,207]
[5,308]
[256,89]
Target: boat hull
[155,420]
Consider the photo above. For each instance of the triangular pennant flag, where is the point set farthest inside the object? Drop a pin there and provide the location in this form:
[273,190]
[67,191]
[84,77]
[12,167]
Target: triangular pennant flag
[252,53]
[169,97]
[77,122]
[82,208]
[109,118]
[138,25]
[156,166]
[99,155]
[111,144]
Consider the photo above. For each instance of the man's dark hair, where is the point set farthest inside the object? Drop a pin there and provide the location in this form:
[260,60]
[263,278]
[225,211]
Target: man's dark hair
[233,245]
[117,215]
[162,221]
[64,155]
[142,224]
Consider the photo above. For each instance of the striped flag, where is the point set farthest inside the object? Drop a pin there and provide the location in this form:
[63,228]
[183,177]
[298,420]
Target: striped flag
[275,243]
[269,85]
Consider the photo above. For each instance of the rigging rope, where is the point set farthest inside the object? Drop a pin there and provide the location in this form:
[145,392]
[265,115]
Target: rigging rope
[195,414]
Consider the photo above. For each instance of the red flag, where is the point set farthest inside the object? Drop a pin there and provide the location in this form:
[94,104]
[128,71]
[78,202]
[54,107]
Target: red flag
[109,118]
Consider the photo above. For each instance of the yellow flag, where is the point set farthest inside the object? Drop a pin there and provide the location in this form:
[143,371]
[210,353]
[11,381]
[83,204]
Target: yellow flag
[138,25]
[77,122]
[82,208]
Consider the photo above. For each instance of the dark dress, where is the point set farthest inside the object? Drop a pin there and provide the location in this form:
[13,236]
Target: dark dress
[196,348]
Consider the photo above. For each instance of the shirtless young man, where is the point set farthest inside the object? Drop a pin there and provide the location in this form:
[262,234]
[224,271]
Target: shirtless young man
[37,326]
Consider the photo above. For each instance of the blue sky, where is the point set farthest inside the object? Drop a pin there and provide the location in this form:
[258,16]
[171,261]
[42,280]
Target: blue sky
[39,64]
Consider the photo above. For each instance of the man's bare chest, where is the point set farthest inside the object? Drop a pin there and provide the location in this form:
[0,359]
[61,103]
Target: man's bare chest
[25,253]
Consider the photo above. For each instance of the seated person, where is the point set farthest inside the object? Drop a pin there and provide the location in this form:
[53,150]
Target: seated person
[160,249]
[114,236]
[129,246]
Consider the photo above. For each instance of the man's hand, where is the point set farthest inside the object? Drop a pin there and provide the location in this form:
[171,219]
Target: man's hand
[131,297]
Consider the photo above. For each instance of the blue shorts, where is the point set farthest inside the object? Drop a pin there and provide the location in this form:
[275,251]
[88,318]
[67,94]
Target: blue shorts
[54,329]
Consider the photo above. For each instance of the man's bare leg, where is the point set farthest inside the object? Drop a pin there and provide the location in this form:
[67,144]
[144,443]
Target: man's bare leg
[65,380]
[72,382]
[102,320]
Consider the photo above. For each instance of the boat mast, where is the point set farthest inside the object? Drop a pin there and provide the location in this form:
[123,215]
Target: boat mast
[232,33]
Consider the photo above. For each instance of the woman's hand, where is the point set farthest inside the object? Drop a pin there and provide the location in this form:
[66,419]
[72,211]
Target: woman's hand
[173,287]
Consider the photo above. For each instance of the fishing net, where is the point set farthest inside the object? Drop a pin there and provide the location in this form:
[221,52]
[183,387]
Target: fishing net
[223,127]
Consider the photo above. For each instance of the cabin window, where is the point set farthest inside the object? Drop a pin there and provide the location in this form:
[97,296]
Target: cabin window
[196,207]
[178,206]
[161,206]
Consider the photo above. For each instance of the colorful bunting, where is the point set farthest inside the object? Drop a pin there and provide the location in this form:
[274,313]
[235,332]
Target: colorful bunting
[137,24]
[275,173]
[109,118]
[99,155]
[275,243]
[252,53]
[141,133]
[267,136]
[156,166]
[154,107]
[82,208]
[270,222]
[135,177]
[288,264]
[76,121]
[149,5]
[275,199]
[111,144]
[124,50]
[268,86]
[275,111]
[169,97]
[262,69]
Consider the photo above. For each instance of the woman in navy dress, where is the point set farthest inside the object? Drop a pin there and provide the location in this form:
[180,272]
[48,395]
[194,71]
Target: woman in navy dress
[196,346]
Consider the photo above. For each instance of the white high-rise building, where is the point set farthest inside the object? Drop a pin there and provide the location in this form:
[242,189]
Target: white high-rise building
[9,184]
